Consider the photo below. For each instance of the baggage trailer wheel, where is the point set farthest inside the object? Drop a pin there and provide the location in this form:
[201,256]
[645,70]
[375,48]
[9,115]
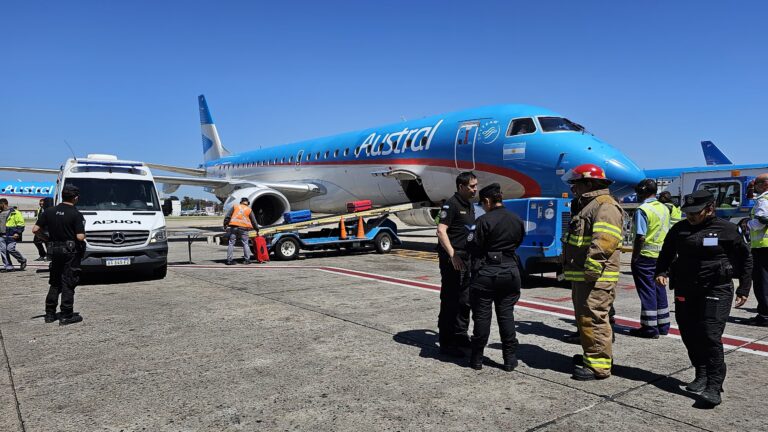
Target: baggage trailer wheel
[287,248]
[383,243]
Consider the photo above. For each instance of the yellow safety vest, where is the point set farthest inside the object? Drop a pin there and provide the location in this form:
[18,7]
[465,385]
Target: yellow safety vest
[658,226]
[241,216]
[759,237]
[676,215]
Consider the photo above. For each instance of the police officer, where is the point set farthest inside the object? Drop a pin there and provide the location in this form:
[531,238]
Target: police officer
[66,235]
[652,222]
[703,253]
[39,243]
[237,222]
[457,216]
[591,262]
[495,276]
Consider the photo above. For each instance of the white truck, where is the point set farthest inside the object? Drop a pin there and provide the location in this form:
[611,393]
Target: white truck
[124,224]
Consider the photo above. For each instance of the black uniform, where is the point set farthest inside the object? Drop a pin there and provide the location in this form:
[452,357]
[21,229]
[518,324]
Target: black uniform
[702,260]
[495,276]
[63,223]
[453,321]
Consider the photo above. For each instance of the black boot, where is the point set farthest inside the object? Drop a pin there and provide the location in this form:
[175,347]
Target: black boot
[510,361]
[699,383]
[50,317]
[476,359]
[70,319]
[711,395]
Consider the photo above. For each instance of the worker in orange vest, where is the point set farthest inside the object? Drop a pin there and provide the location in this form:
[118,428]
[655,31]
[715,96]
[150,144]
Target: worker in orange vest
[237,222]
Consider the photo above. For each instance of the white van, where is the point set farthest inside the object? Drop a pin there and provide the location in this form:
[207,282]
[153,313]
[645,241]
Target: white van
[124,222]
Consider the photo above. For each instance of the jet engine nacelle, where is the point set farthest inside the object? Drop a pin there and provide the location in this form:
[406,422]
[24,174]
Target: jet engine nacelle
[424,216]
[268,205]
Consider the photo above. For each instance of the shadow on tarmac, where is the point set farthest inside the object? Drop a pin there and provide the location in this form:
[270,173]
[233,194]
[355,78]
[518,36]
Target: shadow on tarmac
[427,340]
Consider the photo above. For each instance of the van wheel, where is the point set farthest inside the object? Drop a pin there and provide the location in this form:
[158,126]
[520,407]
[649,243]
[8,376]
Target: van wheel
[383,243]
[287,248]
[160,272]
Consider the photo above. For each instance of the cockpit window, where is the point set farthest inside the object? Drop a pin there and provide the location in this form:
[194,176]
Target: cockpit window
[521,126]
[559,124]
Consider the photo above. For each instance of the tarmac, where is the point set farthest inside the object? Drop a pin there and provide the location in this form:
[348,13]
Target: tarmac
[336,342]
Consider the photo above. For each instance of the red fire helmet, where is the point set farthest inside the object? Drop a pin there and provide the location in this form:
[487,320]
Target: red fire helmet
[585,172]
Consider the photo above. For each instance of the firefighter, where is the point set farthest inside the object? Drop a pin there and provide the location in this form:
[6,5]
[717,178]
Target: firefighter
[591,262]
[703,254]
[495,275]
[652,222]
[237,222]
[457,216]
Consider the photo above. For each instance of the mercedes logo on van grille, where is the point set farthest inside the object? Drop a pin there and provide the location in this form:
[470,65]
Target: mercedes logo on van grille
[118,237]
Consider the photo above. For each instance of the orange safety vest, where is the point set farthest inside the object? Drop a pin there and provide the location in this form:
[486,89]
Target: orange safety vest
[241,216]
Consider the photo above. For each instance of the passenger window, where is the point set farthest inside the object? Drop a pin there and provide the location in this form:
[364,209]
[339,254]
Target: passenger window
[317,155]
[346,151]
[727,193]
[290,159]
[325,156]
[336,153]
[521,126]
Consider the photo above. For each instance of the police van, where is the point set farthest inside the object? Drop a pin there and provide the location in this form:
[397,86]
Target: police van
[124,222]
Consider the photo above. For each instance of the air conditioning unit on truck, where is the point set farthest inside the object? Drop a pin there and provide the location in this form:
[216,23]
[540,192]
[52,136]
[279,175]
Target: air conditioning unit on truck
[124,223]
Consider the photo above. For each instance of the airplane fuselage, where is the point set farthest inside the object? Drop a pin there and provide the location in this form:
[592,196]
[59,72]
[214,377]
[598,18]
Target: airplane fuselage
[417,161]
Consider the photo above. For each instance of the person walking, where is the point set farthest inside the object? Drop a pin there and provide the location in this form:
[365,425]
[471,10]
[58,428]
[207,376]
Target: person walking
[495,276]
[591,263]
[65,226]
[652,222]
[11,227]
[700,258]
[457,217]
[758,234]
[39,244]
[237,222]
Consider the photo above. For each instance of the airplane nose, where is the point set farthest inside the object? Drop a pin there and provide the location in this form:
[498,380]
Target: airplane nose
[625,174]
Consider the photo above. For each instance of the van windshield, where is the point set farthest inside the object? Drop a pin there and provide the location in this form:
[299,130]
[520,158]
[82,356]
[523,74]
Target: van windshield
[115,194]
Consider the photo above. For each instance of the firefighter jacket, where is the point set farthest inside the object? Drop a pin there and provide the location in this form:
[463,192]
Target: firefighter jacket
[591,247]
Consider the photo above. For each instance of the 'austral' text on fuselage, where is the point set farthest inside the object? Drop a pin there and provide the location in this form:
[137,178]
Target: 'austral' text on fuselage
[421,139]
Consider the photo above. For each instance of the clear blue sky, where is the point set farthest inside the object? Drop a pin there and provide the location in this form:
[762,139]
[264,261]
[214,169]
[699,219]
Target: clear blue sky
[650,77]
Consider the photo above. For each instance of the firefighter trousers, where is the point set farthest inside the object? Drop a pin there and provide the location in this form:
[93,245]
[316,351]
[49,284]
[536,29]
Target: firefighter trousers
[591,302]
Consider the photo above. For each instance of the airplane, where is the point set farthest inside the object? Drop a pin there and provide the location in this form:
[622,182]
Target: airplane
[713,155]
[526,149]
[25,195]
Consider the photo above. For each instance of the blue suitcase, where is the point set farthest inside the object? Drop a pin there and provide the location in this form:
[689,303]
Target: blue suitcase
[297,216]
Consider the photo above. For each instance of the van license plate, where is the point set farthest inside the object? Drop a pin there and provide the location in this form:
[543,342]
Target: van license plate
[111,262]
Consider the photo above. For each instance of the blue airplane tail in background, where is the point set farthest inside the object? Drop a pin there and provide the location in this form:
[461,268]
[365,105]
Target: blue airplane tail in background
[212,148]
[713,155]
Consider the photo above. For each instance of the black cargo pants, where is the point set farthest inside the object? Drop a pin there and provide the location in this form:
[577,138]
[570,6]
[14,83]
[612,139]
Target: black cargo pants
[63,279]
[701,320]
[503,291]
[453,321]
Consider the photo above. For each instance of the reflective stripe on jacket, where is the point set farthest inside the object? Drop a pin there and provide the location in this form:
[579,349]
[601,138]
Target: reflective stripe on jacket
[241,216]
[658,218]
[591,247]
[759,237]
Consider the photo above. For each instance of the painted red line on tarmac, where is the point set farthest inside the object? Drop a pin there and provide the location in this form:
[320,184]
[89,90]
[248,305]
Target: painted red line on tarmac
[555,299]
[727,340]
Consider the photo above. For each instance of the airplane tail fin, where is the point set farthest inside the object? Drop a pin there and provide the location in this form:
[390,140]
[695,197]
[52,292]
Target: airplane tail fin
[212,148]
[713,155]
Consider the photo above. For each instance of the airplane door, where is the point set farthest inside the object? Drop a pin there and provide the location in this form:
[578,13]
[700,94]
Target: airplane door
[464,153]
[299,155]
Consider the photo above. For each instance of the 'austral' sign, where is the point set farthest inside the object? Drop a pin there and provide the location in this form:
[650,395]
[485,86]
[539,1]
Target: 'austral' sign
[27,190]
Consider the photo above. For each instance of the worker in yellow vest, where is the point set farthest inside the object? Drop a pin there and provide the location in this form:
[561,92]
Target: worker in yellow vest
[237,222]
[652,222]
[676,215]
[758,234]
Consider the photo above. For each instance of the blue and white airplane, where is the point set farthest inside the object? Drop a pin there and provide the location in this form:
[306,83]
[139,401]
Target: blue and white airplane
[524,148]
[713,155]
[25,195]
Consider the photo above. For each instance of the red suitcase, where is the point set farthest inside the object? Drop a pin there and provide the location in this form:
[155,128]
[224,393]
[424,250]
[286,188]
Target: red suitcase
[356,206]
[260,251]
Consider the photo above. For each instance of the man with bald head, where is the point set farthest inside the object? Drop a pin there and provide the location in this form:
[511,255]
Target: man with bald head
[758,233]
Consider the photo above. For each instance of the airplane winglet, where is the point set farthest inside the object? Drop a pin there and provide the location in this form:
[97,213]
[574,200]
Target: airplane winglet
[713,155]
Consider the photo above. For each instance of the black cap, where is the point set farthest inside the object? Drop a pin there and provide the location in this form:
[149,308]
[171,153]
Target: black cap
[244,199]
[490,190]
[646,187]
[695,202]
[70,191]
